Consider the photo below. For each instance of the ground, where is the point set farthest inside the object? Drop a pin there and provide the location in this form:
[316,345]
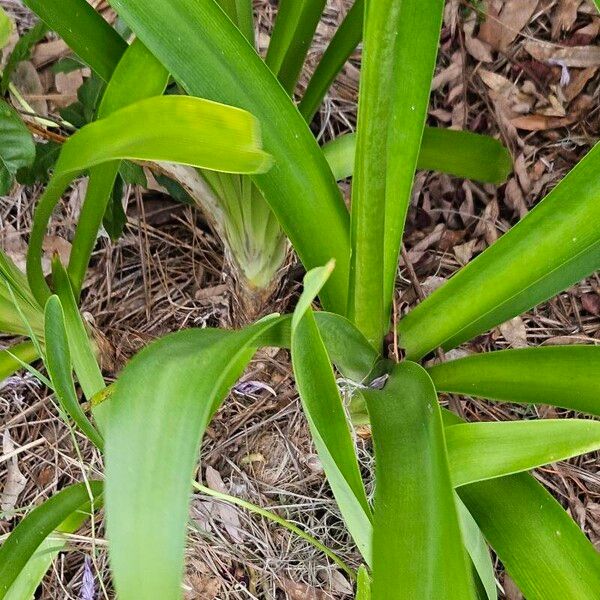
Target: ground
[495,75]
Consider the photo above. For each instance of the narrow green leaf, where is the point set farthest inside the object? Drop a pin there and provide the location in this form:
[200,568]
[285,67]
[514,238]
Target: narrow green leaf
[479,451]
[12,358]
[84,31]
[6,28]
[342,45]
[139,65]
[240,12]
[46,155]
[553,247]
[396,75]
[21,51]
[27,536]
[217,63]
[185,130]
[17,149]
[417,546]
[565,376]
[58,363]
[174,385]
[363,584]
[326,416]
[457,153]
[541,547]
[294,30]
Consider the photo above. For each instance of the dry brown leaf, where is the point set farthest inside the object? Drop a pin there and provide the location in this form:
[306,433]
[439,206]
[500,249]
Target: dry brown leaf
[515,332]
[513,196]
[564,17]
[67,85]
[49,52]
[13,245]
[499,30]
[578,81]
[54,244]
[571,56]
[27,80]
[446,75]
[464,252]
[591,303]
[296,590]
[511,591]
[475,47]
[228,513]
[15,480]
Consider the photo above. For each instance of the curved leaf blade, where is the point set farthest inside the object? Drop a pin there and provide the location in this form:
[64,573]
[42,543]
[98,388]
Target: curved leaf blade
[417,545]
[554,246]
[27,536]
[564,376]
[457,153]
[542,548]
[479,451]
[217,63]
[12,359]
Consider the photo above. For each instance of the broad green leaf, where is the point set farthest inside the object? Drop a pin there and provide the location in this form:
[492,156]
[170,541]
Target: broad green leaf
[58,364]
[294,30]
[541,547]
[553,247]
[27,536]
[17,149]
[363,584]
[478,451]
[417,545]
[564,376]
[46,155]
[84,31]
[454,152]
[174,385]
[217,63]
[326,416]
[396,74]
[12,358]
[139,65]
[21,51]
[342,45]
[6,28]
[484,573]
[185,130]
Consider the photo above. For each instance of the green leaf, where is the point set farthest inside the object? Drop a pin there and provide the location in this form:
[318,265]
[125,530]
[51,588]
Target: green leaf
[564,376]
[27,536]
[541,547]
[217,63]
[363,584]
[457,153]
[46,155]
[417,546]
[12,358]
[553,247]
[139,65]
[479,451]
[6,28]
[326,416]
[240,12]
[342,45]
[84,31]
[132,173]
[396,75]
[185,130]
[115,219]
[22,51]
[84,110]
[17,149]
[58,364]
[294,30]
[174,385]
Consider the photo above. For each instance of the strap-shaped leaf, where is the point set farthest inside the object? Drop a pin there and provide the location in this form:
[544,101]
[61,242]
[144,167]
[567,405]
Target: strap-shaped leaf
[27,536]
[554,246]
[564,376]
[363,584]
[294,29]
[478,451]
[395,81]
[85,32]
[150,77]
[185,130]
[12,359]
[240,12]
[541,547]
[417,546]
[457,153]
[159,409]
[326,416]
[58,363]
[217,63]
[343,43]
